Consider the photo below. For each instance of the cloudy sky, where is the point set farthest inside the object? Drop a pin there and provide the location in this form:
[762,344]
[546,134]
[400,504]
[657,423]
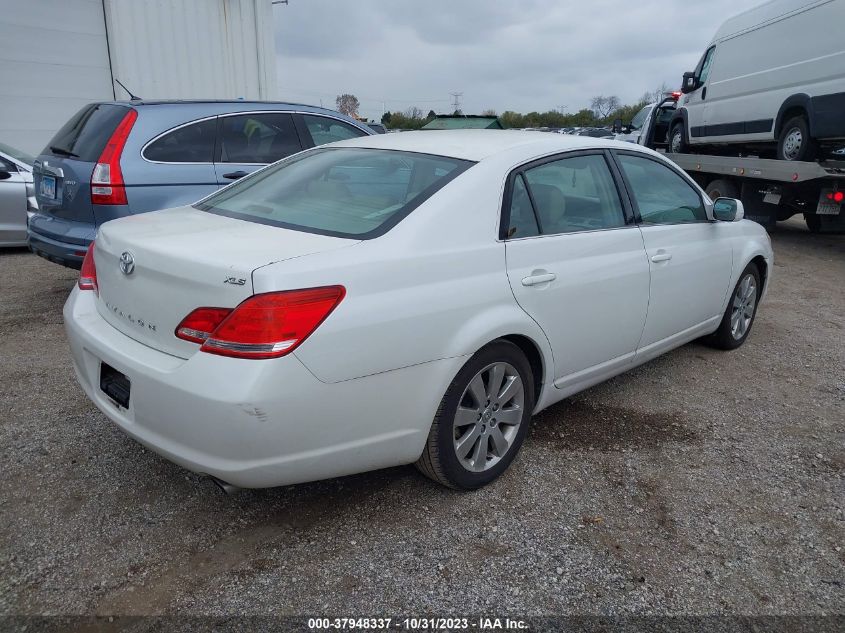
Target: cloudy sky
[520,55]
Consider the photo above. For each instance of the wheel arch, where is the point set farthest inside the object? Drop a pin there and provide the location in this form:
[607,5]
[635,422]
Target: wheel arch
[535,360]
[680,115]
[793,106]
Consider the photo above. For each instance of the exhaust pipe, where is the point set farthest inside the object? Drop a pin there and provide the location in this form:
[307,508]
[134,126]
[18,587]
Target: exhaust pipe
[225,487]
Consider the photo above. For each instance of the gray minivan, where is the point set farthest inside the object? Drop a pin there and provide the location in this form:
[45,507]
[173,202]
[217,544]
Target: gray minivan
[119,158]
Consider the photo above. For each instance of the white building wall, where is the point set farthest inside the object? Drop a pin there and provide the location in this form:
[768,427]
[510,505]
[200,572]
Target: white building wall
[53,60]
[178,49]
[57,55]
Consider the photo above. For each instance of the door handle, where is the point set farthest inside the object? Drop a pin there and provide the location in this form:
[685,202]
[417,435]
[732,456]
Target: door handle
[234,175]
[536,280]
[704,93]
[661,257]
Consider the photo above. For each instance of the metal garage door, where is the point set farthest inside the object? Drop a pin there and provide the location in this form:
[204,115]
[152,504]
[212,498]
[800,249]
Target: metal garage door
[53,60]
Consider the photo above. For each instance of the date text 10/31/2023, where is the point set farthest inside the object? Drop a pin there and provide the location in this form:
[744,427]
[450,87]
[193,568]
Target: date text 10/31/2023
[418,624]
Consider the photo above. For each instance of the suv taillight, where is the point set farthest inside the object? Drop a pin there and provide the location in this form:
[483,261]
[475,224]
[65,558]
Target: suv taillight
[88,272]
[107,186]
[264,326]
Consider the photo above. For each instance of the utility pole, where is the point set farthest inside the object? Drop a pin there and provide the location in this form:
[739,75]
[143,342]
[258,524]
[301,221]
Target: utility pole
[456,100]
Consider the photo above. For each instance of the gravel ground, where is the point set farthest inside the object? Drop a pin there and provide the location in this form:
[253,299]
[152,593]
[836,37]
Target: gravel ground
[702,483]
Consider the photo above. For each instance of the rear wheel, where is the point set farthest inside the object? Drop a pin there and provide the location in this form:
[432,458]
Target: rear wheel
[795,142]
[482,419]
[739,315]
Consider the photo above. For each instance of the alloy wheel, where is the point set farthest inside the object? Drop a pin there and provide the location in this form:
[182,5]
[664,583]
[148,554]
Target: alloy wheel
[488,416]
[744,302]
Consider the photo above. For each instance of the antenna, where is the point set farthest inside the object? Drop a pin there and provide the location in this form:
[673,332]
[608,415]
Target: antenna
[129,92]
[456,100]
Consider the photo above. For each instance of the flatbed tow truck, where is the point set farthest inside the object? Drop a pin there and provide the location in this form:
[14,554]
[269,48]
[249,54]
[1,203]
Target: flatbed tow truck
[770,190]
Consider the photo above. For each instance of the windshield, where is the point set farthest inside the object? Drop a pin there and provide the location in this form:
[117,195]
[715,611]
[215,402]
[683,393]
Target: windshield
[17,154]
[637,121]
[346,192]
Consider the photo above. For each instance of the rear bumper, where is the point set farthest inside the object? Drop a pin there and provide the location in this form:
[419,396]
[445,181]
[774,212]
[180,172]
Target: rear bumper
[256,423]
[60,241]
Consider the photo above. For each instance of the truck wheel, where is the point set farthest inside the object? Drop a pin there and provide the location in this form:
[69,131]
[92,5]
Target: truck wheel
[795,142]
[678,139]
[722,189]
[814,222]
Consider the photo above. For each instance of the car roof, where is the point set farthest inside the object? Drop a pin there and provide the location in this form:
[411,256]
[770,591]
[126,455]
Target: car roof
[476,145]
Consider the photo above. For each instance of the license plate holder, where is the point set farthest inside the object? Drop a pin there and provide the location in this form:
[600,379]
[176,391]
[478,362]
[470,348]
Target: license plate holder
[48,187]
[115,385]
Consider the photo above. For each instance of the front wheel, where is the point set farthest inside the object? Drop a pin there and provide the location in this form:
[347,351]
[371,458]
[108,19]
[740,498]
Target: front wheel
[482,419]
[677,139]
[739,315]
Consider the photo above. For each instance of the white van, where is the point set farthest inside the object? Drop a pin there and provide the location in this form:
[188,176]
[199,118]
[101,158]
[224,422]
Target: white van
[773,74]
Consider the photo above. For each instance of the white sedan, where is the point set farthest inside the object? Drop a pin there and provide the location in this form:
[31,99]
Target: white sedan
[403,298]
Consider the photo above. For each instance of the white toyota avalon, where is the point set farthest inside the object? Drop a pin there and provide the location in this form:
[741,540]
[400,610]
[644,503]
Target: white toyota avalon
[403,298]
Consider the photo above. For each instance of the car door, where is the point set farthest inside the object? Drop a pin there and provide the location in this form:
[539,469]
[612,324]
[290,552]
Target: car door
[695,101]
[177,169]
[689,256]
[12,203]
[576,262]
[250,140]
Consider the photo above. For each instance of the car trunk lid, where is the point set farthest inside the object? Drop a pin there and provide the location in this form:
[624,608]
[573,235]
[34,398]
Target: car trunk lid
[155,268]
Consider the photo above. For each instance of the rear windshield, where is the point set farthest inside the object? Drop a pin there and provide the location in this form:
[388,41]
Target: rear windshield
[346,192]
[86,133]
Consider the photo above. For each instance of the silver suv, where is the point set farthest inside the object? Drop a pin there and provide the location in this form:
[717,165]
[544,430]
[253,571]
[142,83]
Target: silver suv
[119,158]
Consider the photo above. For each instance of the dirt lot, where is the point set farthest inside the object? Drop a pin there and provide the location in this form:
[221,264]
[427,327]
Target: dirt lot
[702,483]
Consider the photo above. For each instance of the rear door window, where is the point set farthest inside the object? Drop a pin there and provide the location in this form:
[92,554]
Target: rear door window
[192,143]
[86,133]
[257,138]
[326,130]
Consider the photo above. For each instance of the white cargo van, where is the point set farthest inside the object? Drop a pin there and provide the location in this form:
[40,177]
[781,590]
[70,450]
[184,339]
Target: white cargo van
[774,74]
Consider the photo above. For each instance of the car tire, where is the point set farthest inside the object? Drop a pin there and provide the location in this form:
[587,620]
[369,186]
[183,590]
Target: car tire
[678,139]
[795,142]
[742,306]
[468,449]
[722,189]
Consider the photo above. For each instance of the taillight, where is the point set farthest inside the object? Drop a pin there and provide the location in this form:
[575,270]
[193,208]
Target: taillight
[836,196]
[264,326]
[199,324]
[88,272]
[107,186]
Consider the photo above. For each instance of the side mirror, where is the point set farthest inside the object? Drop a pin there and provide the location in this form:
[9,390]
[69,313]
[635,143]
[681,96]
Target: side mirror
[5,175]
[617,126]
[728,210]
[690,83]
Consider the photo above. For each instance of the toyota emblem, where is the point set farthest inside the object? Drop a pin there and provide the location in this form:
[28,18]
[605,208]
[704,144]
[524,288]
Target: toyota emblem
[127,263]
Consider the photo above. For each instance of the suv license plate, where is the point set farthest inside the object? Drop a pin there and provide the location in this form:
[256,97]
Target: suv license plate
[48,187]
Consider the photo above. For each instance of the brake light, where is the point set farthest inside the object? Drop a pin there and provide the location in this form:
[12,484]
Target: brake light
[836,196]
[268,325]
[199,324]
[107,186]
[88,272]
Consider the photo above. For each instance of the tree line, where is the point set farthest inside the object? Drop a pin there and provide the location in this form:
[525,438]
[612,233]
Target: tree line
[603,111]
